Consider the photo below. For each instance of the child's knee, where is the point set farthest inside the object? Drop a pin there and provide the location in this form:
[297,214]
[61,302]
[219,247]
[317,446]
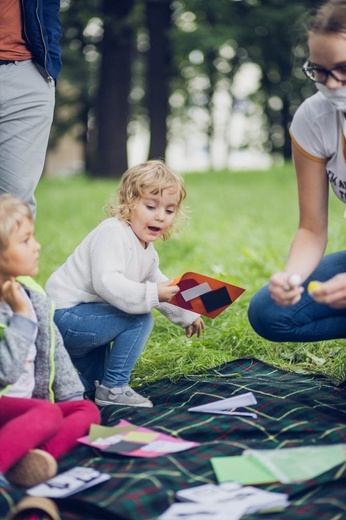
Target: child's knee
[92,412]
[51,414]
[149,321]
[89,410]
[144,322]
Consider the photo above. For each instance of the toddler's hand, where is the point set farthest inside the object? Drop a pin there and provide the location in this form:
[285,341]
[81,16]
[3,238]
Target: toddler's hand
[13,296]
[166,292]
[196,328]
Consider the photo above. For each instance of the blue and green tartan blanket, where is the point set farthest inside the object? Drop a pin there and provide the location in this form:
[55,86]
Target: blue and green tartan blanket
[293,410]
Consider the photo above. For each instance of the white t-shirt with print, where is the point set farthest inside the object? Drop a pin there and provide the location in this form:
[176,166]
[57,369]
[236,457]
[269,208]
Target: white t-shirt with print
[318,130]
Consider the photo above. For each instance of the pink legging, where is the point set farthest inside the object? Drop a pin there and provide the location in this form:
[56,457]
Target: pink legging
[26,424]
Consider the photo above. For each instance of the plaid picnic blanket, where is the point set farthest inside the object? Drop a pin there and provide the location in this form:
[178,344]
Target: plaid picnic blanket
[293,410]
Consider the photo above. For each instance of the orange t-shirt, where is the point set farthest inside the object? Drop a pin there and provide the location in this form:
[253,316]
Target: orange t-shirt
[12,43]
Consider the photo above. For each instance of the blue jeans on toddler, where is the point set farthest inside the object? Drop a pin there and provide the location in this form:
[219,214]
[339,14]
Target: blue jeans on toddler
[306,321]
[104,342]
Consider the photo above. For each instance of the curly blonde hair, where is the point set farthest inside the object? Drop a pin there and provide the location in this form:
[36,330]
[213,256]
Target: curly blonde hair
[12,213]
[151,175]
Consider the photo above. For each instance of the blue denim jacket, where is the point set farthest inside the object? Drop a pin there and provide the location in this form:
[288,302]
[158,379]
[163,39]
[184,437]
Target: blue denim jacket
[42,31]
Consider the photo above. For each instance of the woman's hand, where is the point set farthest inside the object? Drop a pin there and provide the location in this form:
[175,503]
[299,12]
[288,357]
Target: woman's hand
[282,291]
[332,292]
[195,328]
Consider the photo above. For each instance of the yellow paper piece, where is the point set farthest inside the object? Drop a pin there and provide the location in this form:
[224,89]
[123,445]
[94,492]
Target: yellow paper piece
[97,431]
[140,436]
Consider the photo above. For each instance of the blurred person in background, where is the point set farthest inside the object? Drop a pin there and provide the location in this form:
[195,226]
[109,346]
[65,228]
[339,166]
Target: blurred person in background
[30,61]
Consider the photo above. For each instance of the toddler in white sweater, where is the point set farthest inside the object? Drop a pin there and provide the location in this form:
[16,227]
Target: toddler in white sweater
[105,291]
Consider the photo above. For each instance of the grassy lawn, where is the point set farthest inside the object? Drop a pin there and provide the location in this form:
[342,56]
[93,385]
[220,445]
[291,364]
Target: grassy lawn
[240,227]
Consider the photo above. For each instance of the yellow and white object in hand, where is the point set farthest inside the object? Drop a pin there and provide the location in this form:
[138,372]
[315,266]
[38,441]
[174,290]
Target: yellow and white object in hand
[313,286]
[294,281]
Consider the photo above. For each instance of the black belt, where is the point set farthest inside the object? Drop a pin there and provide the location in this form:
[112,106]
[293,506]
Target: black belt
[6,62]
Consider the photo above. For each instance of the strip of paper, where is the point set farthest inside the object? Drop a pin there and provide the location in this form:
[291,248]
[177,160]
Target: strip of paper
[194,292]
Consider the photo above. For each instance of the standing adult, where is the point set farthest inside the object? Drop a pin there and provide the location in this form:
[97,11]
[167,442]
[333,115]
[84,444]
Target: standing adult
[284,310]
[30,61]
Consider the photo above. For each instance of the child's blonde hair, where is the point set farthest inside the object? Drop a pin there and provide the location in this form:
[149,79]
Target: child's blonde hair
[153,175]
[12,213]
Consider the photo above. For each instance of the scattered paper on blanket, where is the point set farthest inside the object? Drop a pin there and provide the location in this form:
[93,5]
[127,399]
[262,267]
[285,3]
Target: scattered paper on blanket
[229,406]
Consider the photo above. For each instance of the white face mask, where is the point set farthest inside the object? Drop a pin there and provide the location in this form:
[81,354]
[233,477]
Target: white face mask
[337,96]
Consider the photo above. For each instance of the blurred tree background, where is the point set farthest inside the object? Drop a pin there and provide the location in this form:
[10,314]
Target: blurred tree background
[177,68]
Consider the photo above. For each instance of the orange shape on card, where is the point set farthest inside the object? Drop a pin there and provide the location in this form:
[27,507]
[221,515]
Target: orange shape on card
[204,295]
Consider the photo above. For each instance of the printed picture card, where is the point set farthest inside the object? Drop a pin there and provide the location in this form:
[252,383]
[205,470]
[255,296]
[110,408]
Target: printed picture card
[204,295]
[68,483]
[228,501]
[233,493]
[134,441]
[203,511]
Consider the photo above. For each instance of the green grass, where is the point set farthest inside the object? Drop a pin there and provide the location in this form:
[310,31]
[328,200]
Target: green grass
[240,228]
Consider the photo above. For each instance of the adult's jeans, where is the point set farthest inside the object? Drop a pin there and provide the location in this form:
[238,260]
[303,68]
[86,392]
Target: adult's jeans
[104,342]
[305,321]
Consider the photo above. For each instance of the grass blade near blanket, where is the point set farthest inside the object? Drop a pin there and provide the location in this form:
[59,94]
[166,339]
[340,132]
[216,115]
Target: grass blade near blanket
[293,410]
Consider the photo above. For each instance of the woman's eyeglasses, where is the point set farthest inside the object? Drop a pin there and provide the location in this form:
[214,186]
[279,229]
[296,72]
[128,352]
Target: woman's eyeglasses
[320,75]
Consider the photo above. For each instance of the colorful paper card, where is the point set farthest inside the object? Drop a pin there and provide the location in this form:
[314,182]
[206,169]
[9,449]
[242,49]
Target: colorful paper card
[204,295]
[135,441]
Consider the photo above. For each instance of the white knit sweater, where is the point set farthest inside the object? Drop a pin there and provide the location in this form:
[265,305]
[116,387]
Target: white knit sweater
[110,265]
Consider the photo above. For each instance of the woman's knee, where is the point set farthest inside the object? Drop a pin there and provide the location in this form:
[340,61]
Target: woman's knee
[265,316]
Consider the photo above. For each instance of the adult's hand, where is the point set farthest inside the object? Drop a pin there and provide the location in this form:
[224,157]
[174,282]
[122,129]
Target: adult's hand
[282,291]
[332,292]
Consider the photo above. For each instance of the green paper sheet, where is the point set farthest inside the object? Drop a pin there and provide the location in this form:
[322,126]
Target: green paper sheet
[299,464]
[245,470]
[284,465]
